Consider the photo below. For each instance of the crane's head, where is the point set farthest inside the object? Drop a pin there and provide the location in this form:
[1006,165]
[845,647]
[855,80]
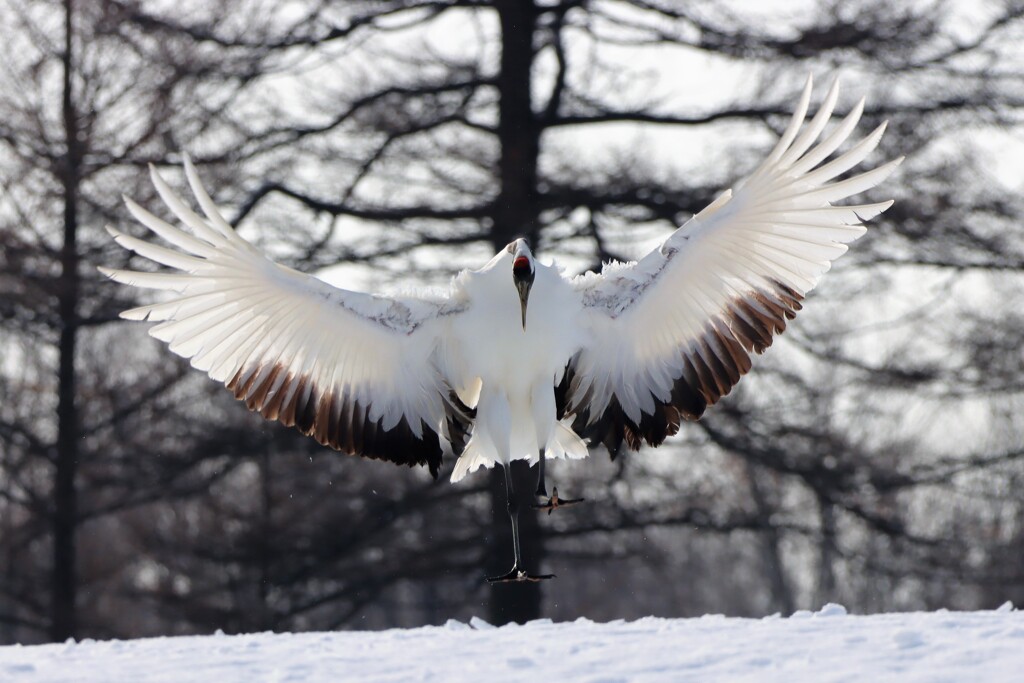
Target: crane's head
[523,271]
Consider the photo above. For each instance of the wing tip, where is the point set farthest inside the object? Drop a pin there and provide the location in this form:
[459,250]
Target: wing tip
[833,88]
[140,314]
[808,85]
[886,169]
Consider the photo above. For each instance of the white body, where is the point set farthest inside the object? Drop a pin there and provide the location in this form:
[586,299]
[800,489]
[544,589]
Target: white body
[508,370]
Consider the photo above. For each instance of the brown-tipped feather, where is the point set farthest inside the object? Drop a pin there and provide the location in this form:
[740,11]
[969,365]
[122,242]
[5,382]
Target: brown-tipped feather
[286,413]
[341,422]
[712,364]
[759,324]
[256,399]
[272,408]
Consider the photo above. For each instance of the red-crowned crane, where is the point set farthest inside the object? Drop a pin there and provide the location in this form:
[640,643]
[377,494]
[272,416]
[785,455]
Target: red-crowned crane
[516,360]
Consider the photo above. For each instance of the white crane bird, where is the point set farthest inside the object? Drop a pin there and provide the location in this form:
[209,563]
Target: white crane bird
[516,361]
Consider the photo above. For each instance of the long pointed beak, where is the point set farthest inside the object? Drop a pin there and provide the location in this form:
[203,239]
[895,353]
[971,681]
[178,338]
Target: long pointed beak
[523,287]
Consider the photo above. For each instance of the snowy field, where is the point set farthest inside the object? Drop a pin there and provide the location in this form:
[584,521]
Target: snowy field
[828,645]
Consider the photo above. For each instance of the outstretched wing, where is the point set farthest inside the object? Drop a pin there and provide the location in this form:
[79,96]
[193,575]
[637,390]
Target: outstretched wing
[353,370]
[672,333]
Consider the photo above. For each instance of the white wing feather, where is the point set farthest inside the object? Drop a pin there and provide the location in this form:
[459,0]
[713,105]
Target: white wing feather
[672,333]
[335,363]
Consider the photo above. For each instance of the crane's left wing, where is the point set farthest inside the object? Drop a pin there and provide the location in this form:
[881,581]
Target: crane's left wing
[673,332]
[355,371]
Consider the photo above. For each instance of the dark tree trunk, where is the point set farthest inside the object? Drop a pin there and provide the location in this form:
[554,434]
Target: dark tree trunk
[517,128]
[65,511]
[518,602]
[264,615]
[782,594]
[825,591]
[515,216]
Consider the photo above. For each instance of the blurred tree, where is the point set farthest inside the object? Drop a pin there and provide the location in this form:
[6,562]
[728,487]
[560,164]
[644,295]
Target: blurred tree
[82,112]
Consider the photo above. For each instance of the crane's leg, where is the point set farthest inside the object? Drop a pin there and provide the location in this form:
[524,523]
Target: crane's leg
[553,502]
[515,574]
[542,489]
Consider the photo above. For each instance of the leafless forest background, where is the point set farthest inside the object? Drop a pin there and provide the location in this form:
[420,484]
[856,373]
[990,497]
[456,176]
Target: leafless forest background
[873,457]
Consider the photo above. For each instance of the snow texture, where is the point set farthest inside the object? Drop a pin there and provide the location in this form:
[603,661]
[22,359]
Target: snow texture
[828,645]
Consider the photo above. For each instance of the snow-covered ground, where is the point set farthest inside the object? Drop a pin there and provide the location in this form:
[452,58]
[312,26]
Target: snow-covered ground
[828,645]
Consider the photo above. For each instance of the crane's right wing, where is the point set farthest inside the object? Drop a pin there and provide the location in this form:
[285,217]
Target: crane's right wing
[673,332]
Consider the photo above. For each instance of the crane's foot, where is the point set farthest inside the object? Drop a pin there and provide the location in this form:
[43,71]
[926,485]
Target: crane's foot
[517,575]
[554,502]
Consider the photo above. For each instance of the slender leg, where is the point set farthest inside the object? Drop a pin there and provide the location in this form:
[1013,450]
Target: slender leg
[513,514]
[553,502]
[542,490]
[516,573]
